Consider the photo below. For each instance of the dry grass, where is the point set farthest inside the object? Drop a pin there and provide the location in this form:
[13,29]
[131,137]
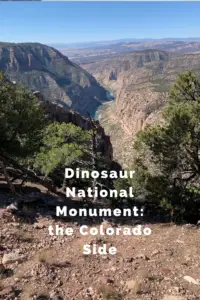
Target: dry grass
[1,286]
[137,289]
[136,285]
[46,256]
[25,237]
[29,292]
[49,258]
[109,292]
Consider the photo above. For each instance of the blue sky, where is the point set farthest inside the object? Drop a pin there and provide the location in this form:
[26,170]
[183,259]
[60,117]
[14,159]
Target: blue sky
[67,22]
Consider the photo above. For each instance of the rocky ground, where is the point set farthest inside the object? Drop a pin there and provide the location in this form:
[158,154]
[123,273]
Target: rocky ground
[35,265]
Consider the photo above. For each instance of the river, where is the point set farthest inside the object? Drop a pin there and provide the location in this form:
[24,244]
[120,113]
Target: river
[111,99]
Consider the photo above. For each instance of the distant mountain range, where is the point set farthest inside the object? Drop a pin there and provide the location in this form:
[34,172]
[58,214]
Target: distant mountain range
[84,55]
[110,42]
[45,69]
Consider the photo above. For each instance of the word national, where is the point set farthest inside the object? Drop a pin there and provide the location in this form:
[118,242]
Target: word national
[96,192]
[70,173]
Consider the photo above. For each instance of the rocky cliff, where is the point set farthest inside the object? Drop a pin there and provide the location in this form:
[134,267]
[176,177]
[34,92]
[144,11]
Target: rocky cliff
[141,82]
[42,68]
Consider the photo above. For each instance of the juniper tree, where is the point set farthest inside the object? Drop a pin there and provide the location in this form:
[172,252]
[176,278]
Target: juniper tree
[63,145]
[171,170]
[22,120]
[66,145]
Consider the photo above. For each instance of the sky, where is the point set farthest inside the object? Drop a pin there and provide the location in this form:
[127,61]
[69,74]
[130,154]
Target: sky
[69,22]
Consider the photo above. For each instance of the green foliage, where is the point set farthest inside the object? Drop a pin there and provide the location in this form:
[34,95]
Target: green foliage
[27,137]
[22,120]
[121,183]
[186,88]
[63,145]
[169,153]
[66,145]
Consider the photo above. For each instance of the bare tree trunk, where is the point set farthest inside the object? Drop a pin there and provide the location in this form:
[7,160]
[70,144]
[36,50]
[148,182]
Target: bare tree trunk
[94,156]
[64,184]
[50,187]
[11,186]
[172,215]
[22,183]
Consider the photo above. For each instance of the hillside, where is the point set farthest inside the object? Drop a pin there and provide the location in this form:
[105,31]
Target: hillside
[141,82]
[162,266]
[45,69]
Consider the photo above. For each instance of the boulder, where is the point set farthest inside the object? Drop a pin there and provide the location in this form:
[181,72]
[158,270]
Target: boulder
[10,258]
[191,280]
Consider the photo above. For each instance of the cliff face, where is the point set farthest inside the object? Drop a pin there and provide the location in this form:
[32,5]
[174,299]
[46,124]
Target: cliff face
[141,82]
[61,114]
[42,68]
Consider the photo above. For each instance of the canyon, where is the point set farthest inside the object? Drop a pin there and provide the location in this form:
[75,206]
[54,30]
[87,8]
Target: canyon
[124,93]
[141,82]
